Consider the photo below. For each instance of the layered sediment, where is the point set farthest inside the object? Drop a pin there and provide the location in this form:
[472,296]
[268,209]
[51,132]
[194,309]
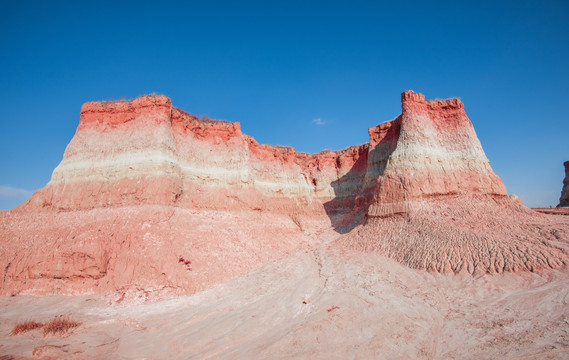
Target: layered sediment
[435,153]
[147,152]
[151,199]
[438,206]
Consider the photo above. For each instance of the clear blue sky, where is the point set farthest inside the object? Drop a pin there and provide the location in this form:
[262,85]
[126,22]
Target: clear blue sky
[276,67]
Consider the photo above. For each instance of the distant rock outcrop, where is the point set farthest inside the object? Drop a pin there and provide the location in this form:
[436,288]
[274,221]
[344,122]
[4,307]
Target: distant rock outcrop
[151,200]
[564,199]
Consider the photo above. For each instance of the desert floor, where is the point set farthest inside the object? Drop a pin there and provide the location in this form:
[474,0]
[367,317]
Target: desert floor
[321,303]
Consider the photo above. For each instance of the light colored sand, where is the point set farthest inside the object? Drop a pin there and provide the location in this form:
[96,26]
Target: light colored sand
[358,306]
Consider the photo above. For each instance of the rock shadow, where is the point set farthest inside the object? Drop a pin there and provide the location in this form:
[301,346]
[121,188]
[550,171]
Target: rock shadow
[354,191]
[344,210]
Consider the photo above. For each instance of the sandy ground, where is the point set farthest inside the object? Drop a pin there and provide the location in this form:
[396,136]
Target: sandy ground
[318,304]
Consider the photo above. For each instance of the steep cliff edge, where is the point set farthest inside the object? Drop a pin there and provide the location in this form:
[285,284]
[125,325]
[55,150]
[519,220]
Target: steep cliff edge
[150,200]
[564,199]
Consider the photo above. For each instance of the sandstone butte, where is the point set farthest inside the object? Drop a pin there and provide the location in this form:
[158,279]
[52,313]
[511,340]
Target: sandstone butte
[564,199]
[151,201]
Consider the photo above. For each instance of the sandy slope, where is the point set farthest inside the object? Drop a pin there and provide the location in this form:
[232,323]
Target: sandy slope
[321,303]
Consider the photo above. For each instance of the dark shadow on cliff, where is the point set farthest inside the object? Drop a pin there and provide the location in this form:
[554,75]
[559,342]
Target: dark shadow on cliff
[347,210]
[353,192]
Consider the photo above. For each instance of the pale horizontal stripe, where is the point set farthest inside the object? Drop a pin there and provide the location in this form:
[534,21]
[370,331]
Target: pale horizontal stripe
[216,174]
[419,156]
[157,163]
[116,166]
[283,188]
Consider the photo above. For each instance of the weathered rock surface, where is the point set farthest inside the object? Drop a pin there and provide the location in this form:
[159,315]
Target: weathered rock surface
[150,200]
[143,184]
[435,153]
[452,212]
[564,199]
[147,152]
[471,234]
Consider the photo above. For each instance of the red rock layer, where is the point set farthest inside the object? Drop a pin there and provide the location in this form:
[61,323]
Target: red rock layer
[149,198]
[553,211]
[135,251]
[564,199]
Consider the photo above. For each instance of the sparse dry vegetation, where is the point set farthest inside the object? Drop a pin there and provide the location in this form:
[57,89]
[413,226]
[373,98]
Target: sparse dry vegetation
[59,326]
[24,327]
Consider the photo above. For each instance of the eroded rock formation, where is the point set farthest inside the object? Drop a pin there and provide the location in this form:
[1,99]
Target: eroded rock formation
[456,215]
[152,200]
[143,184]
[435,153]
[564,199]
[145,151]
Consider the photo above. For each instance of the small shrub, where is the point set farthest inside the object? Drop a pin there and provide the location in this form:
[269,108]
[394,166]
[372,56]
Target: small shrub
[59,326]
[24,327]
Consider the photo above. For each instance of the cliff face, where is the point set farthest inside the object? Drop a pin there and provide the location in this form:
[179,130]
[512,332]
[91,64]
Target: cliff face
[438,206]
[147,152]
[149,199]
[564,199]
[143,183]
[432,151]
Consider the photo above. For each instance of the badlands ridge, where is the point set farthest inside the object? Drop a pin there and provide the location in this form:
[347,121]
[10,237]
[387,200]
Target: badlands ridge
[150,201]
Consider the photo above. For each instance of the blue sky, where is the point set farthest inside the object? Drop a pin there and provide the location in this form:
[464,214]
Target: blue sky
[313,75]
